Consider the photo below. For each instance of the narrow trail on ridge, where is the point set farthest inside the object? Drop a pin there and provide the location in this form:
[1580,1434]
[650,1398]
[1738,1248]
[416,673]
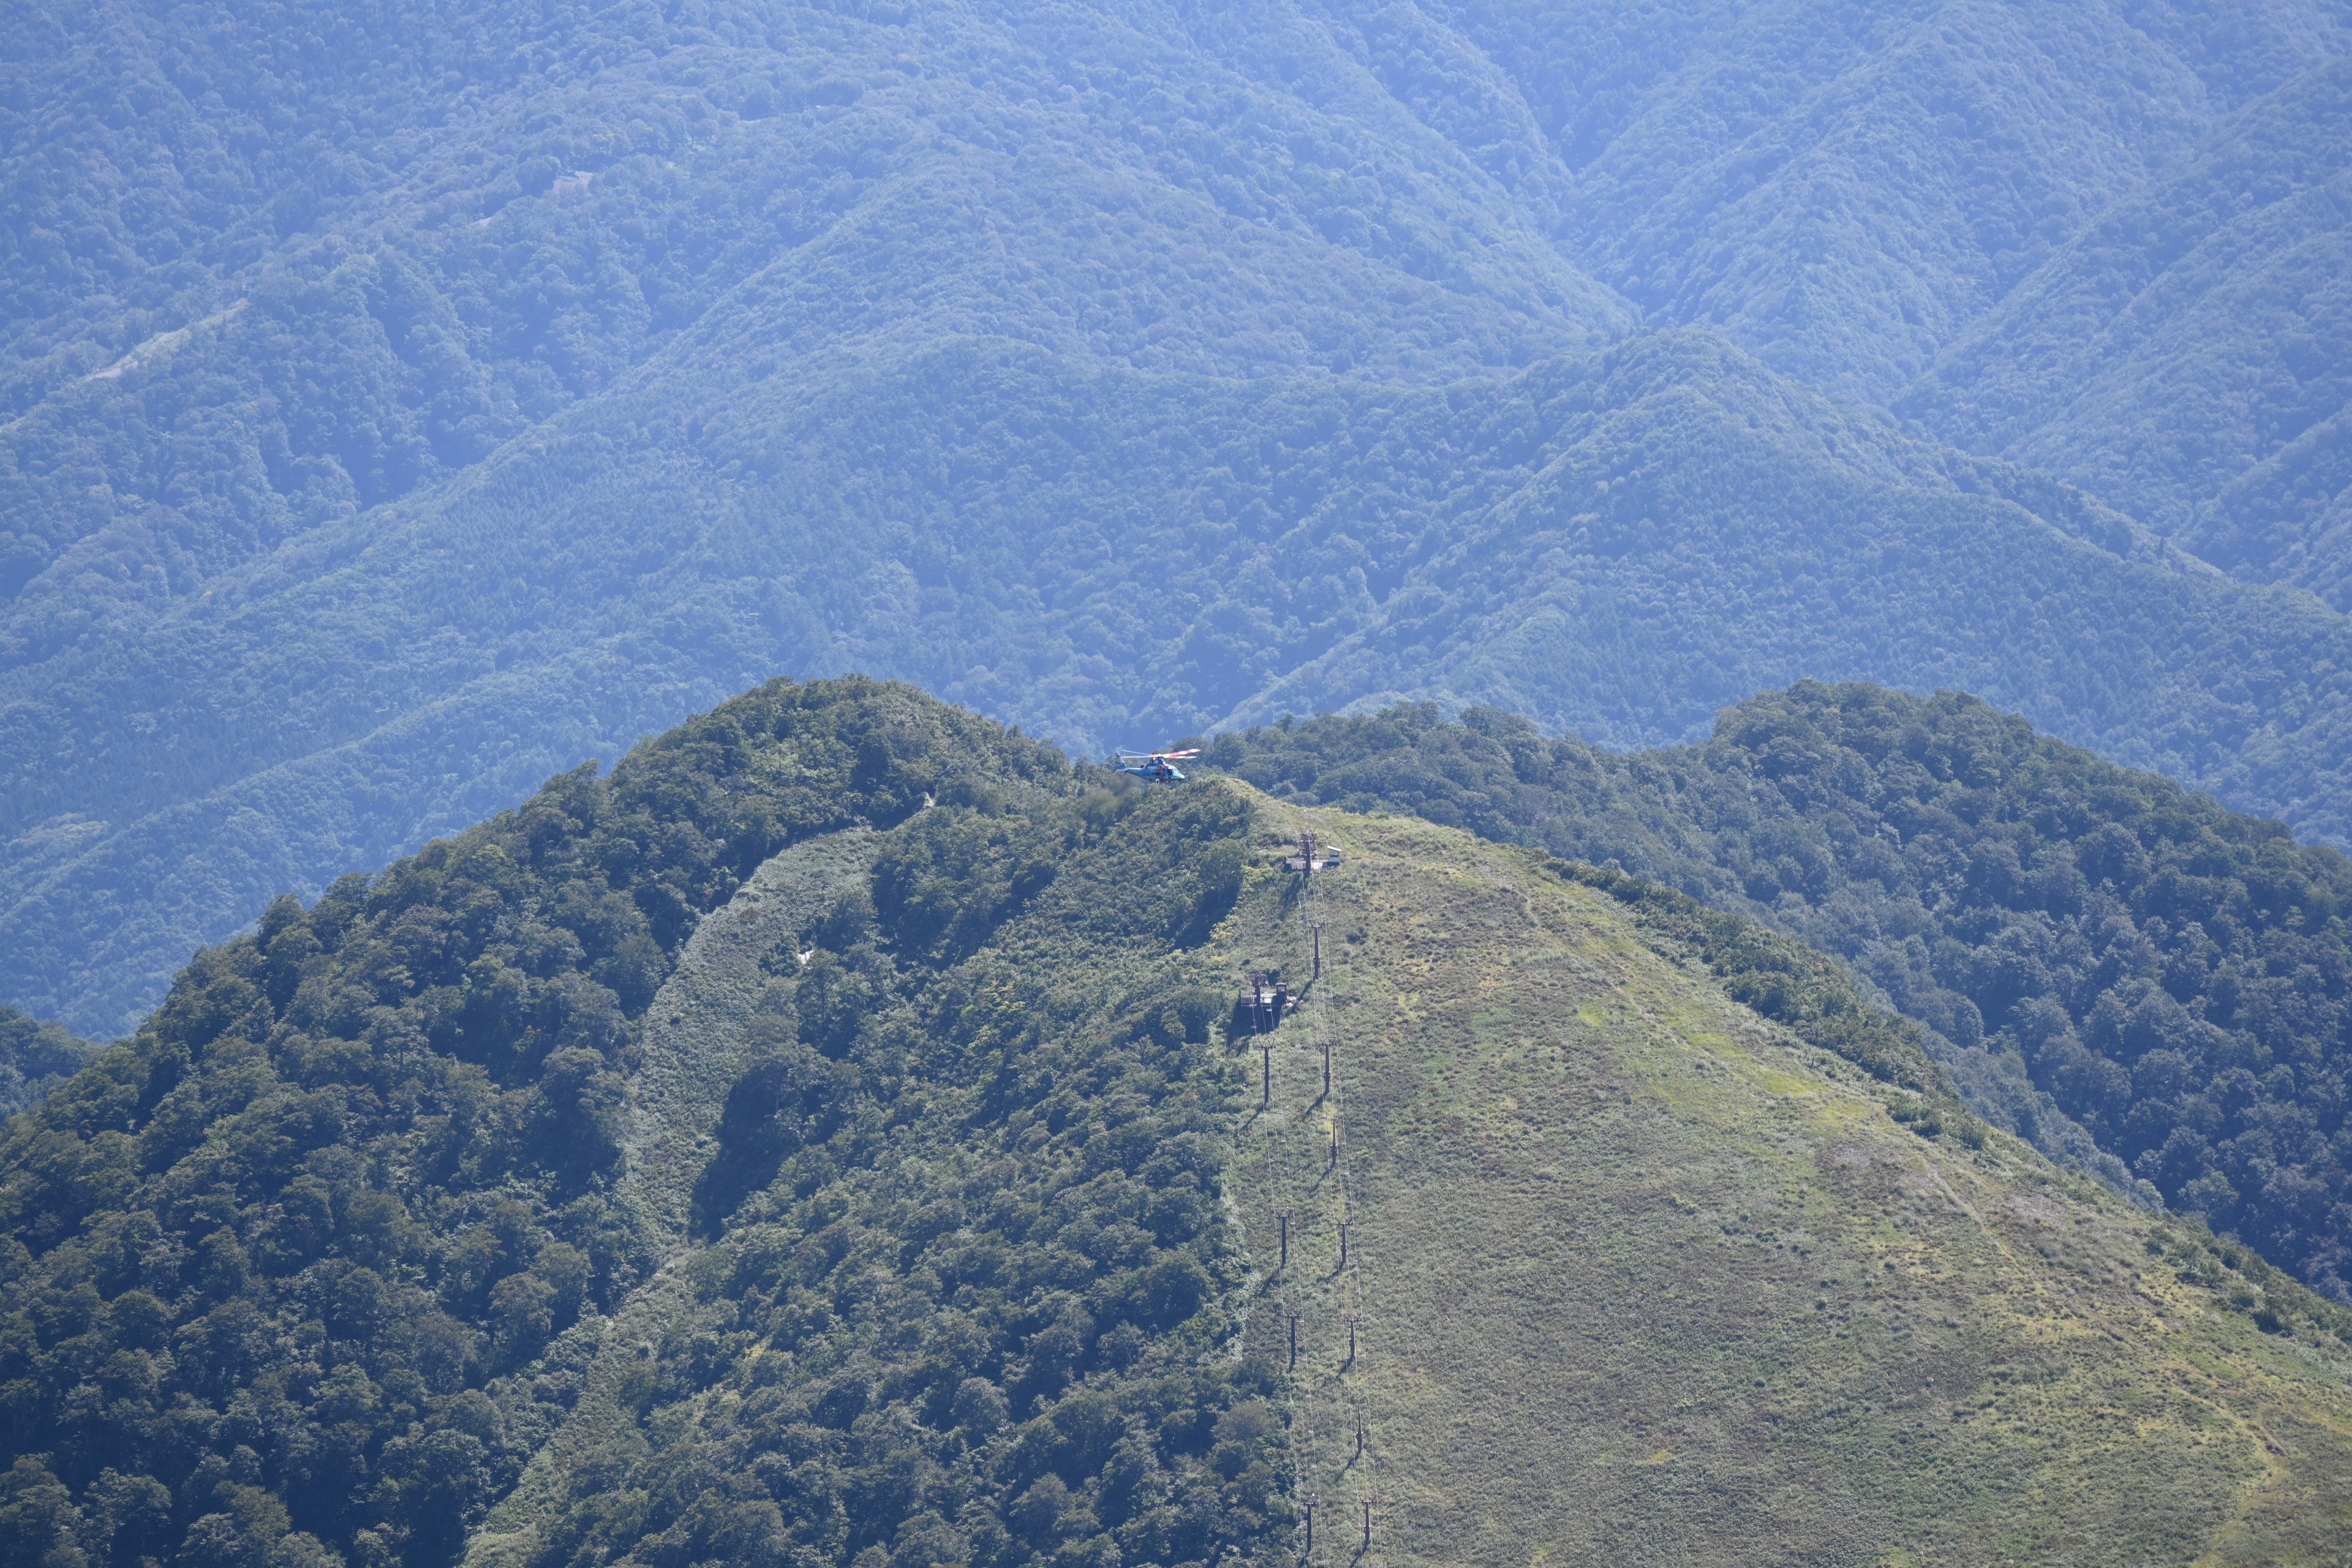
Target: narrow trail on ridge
[694,1032]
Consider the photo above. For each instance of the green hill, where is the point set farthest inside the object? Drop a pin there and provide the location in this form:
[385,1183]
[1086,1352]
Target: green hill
[827,1140]
[1638,1277]
[2123,973]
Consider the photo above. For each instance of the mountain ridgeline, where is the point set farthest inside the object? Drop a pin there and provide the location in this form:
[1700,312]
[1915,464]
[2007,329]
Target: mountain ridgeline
[311,1265]
[399,402]
[827,1140]
[2115,967]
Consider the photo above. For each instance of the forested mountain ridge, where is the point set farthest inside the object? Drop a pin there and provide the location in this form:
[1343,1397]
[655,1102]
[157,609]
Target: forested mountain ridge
[1620,544]
[342,1202]
[823,1141]
[395,394]
[2184,357]
[2099,951]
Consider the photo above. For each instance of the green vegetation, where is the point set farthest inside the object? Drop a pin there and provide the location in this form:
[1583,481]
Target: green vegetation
[1802,990]
[398,405]
[2120,969]
[314,1262]
[35,1057]
[817,1143]
[1637,1276]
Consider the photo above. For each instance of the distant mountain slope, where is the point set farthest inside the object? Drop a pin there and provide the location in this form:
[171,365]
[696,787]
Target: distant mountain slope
[389,238]
[2189,356]
[1843,190]
[1619,544]
[439,226]
[805,1146]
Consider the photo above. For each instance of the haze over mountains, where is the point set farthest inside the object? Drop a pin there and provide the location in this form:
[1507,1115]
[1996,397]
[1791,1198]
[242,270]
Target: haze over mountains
[405,404]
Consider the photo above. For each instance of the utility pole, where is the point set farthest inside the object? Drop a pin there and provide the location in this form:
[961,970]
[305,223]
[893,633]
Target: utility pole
[1266,1076]
[1351,1339]
[1327,1069]
[1284,1216]
[1368,1524]
[1292,1314]
[1359,1435]
[1335,1146]
[1314,1501]
[1343,1243]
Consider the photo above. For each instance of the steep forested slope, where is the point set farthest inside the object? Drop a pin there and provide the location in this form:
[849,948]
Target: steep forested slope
[1619,544]
[315,1262]
[821,1142]
[396,395]
[2100,952]
[2185,356]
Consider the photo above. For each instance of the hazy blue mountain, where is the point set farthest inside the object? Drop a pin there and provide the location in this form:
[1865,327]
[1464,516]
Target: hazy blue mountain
[435,230]
[1111,558]
[1843,190]
[2189,356]
[405,404]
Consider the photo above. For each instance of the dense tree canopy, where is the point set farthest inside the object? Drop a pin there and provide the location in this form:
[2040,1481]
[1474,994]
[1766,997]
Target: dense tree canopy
[35,1057]
[284,1268]
[400,403]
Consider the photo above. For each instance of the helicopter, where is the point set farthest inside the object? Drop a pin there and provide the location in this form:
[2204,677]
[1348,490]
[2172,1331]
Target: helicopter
[1160,767]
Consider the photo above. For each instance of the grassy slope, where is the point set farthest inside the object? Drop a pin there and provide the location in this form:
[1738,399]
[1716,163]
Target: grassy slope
[1643,1281]
[694,1051]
